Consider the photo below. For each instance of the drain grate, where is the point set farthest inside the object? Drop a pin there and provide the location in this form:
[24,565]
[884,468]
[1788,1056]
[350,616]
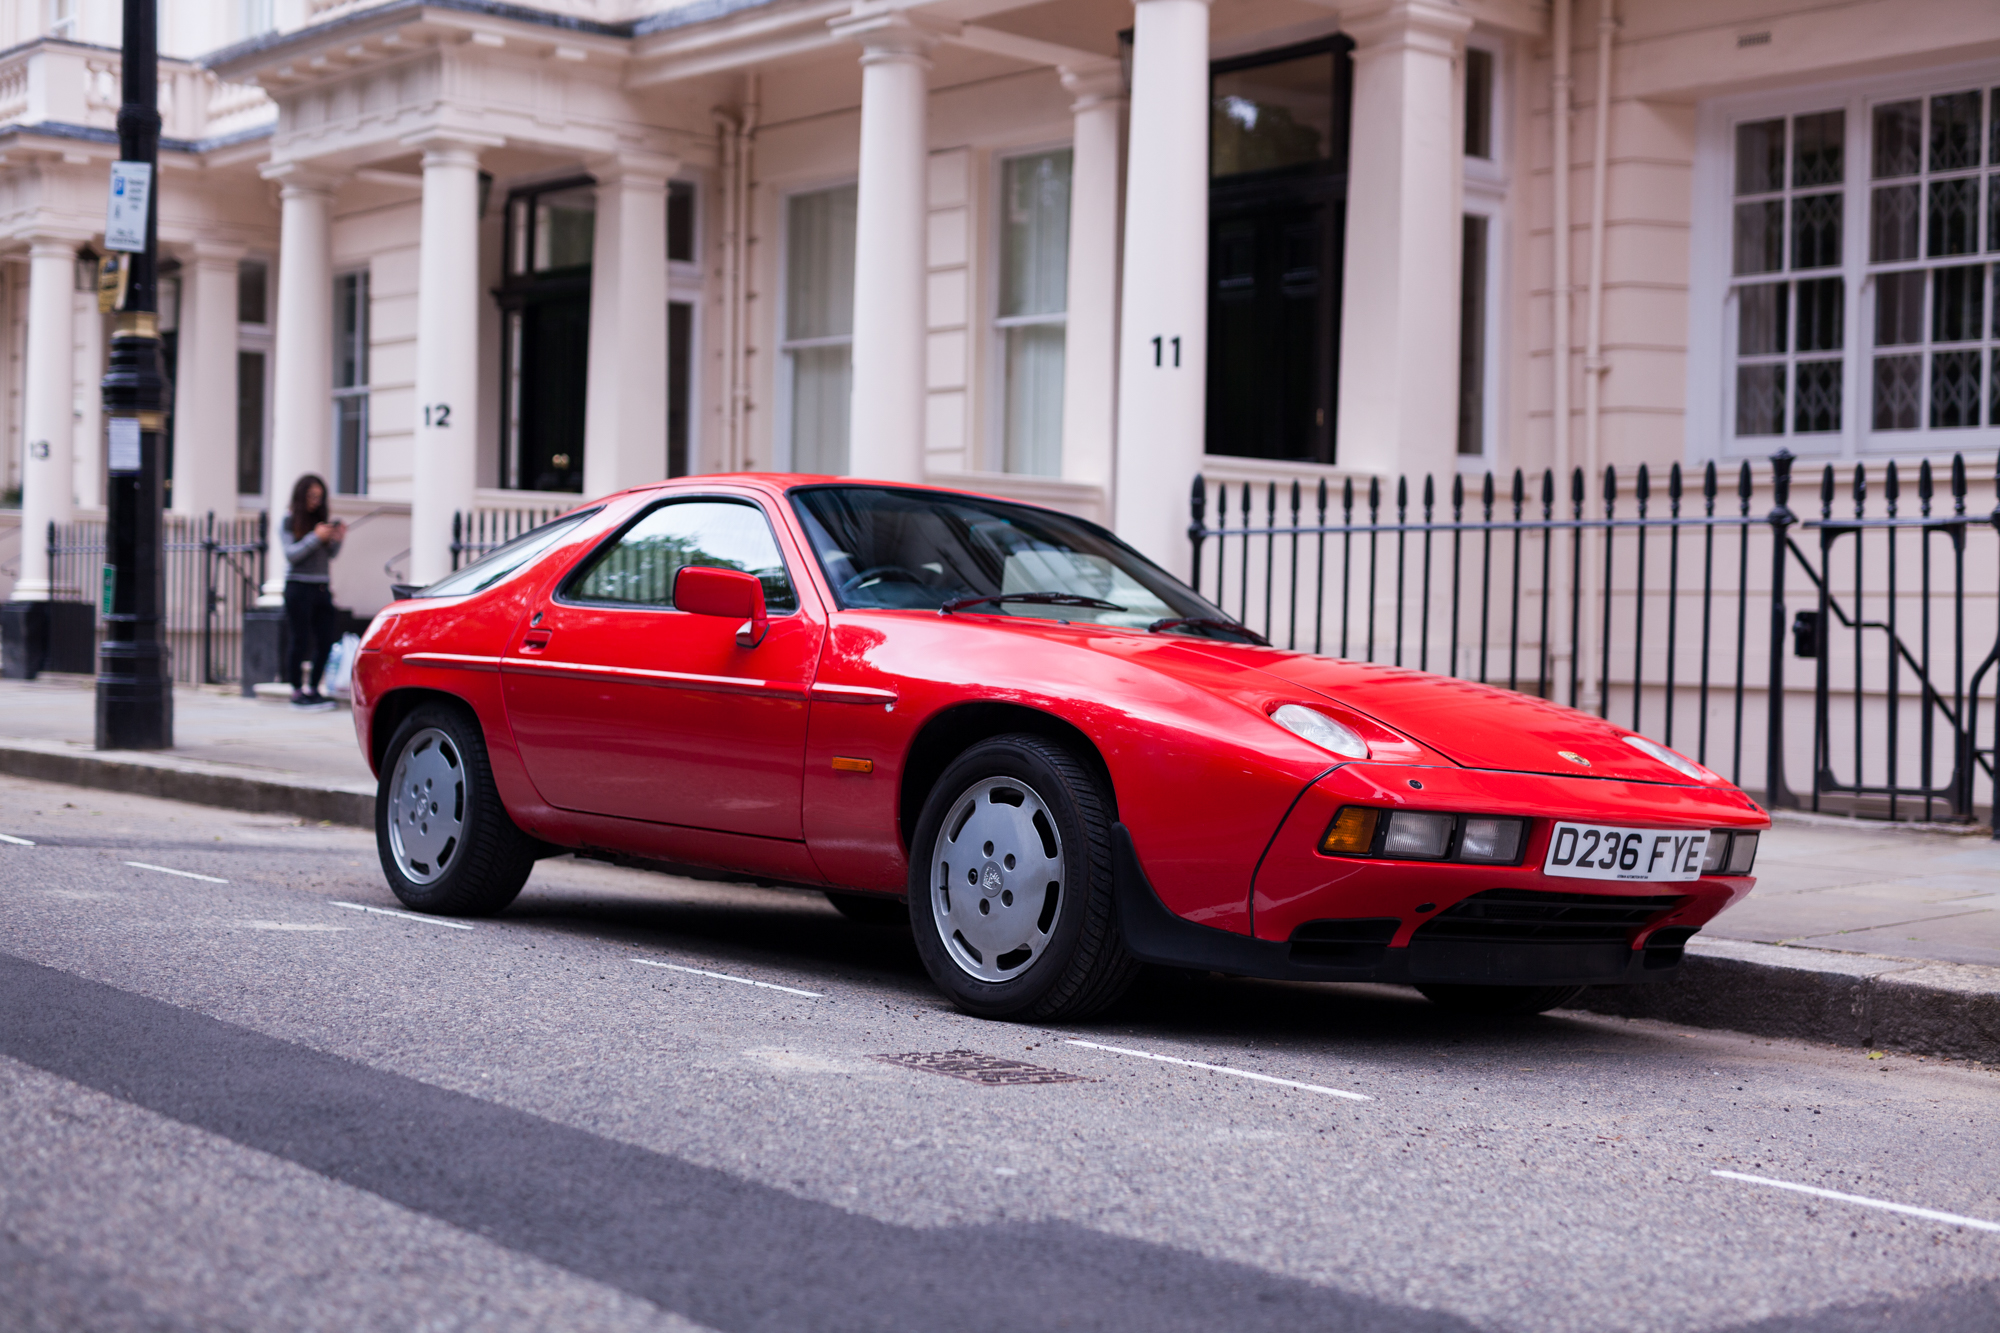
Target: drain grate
[992,1070]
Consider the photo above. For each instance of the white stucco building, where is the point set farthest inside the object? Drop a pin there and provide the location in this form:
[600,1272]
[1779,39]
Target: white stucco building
[460,254]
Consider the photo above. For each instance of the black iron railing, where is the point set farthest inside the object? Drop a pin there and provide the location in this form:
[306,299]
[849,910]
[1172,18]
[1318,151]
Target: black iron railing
[214,568]
[475,532]
[1675,623]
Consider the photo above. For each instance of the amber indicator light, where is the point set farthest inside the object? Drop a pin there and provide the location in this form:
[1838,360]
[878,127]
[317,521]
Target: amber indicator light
[1351,833]
[847,764]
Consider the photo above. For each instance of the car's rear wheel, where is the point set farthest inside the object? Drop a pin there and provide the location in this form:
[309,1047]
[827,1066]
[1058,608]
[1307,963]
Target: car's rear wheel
[871,909]
[1010,884]
[446,842]
[1500,1001]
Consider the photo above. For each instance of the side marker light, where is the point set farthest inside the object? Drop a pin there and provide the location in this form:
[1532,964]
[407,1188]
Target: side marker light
[845,764]
[1352,832]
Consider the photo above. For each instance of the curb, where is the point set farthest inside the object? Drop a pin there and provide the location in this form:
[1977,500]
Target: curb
[1768,990]
[228,786]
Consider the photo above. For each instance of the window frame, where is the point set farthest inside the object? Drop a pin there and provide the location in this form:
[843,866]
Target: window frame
[784,426]
[992,449]
[359,394]
[1486,191]
[259,338]
[564,591]
[1710,430]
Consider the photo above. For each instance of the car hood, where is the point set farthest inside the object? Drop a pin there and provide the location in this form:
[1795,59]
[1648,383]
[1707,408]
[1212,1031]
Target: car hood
[1478,726]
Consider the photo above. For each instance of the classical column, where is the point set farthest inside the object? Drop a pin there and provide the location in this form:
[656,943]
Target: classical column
[48,412]
[1400,291]
[302,377]
[88,444]
[886,417]
[1090,338]
[625,406]
[1163,325]
[447,408]
[205,384]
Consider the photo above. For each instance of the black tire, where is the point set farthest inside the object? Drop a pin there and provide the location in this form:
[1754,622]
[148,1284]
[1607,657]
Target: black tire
[473,861]
[1500,1001]
[1071,962]
[871,909]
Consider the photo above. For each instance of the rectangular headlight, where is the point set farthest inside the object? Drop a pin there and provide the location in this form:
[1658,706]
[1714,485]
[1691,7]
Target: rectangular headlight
[1418,835]
[1491,840]
[1717,854]
[1742,853]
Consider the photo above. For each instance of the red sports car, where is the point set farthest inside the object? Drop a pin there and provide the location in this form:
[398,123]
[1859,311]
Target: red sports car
[1059,761]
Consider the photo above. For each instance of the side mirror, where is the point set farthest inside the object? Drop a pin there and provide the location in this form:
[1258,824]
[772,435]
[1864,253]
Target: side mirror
[730,593]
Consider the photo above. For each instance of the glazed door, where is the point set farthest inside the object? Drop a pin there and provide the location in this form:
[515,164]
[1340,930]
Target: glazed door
[623,706]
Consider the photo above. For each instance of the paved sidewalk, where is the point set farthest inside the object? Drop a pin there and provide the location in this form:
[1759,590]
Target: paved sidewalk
[242,753]
[1856,932]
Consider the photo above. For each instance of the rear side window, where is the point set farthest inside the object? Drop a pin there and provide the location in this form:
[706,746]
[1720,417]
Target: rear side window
[506,560]
[638,568]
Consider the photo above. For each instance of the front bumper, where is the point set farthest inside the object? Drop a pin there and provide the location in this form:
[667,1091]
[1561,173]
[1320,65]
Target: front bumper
[1324,918]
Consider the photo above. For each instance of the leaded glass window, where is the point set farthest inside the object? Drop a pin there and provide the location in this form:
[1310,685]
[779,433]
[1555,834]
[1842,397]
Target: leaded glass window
[1786,253]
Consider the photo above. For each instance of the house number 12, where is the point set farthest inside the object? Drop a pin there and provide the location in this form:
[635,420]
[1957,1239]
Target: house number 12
[437,414]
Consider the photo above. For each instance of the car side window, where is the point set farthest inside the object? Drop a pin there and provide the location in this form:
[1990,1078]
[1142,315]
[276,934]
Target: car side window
[638,568]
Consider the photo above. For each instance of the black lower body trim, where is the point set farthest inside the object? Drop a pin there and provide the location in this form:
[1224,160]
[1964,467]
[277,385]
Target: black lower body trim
[1153,934]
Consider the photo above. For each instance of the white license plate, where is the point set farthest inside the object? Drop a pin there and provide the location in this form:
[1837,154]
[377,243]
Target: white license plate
[1601,851]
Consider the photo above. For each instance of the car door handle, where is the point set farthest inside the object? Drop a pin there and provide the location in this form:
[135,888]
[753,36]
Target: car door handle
[535,640]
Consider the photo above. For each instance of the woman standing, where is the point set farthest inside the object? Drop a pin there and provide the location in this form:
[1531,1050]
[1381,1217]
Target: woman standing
[311,542]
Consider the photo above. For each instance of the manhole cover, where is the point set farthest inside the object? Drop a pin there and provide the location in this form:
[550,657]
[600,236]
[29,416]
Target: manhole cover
[976,1068]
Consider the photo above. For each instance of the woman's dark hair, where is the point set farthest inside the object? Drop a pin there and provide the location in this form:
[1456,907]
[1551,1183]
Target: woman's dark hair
[303,519]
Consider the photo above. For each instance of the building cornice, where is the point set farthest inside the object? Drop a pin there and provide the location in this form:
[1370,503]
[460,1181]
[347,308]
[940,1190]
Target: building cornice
[54,129]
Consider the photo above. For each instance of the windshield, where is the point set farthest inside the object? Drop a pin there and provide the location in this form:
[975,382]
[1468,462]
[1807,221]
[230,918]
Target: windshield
[497,564]
[924,550]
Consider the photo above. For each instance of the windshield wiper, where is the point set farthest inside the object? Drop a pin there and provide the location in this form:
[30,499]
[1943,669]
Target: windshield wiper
[1208,622]
[1036,598]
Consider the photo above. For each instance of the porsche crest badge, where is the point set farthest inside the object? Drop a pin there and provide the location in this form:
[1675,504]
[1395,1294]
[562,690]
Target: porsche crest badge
[1574,758]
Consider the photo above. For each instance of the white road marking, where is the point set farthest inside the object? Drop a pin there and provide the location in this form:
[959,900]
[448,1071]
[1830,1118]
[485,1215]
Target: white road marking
[407,916]
[1952,1218]
[285,925]
[18,842]
[724,976]
[184,874]
[1224,1069]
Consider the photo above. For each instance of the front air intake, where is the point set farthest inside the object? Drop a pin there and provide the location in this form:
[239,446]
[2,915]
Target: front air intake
[1538,916]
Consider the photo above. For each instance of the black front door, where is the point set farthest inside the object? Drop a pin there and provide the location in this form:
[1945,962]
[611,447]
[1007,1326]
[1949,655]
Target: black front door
[545,359]
[554,370]
[1277,209]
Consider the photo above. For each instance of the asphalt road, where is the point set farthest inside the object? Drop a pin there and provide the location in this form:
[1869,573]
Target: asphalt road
[229,1098]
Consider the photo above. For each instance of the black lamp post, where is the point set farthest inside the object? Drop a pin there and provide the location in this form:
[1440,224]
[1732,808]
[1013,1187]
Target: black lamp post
[135,702]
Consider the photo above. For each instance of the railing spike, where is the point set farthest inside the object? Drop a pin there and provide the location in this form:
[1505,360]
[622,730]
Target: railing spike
[1486,492]
[1925,486]
[1860,489]
[1402,494]
[1892,488]
[1457,497]
[1520,488]
[1674,483]
[1576,488]
[1347,497]
[1548,487]
[1198,498]
[1295,502]
[1826,492]
[1958,483]
[1430,493]
[1322,501]
[1610,487]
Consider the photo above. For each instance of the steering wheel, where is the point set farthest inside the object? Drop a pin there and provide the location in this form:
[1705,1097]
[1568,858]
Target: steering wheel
[880,573]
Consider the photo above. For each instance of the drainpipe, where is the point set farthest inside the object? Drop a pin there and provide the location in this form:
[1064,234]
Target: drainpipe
[726,130]
[746,142]
[1594,364]
[735,137]
[1559,113]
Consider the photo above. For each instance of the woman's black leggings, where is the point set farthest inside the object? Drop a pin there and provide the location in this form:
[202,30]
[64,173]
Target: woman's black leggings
[309,615]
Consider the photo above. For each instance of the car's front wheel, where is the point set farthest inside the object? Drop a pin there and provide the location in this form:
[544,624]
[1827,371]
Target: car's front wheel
[1500,1001]
[1010,884]
[446,842]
